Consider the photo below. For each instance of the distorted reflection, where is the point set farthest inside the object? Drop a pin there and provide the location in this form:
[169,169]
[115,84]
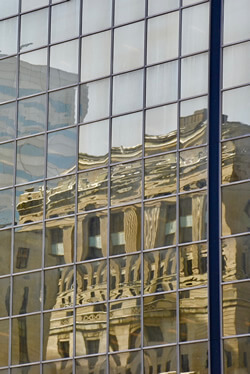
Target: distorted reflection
[62,108]
[160,270]
[5,295]
[194,358]
[60,196]
[31,369]
[92,236]
[91,329]
[160,175]
[130,362]
[193,265]
[125,313]
[126,137]
[59,288]
[235,258]
[31,115]
[26,293]
[125,229]
[5,251]
[236,304]
[126,183]
[235,160]
[160,360]
[91,282]
[25,339]
[59,367]
[4,342]
[160,319]
[91,364]
[58,334]
[235,209]
[29,203]
[236,355]
[38,22]
[193,217]
[8,69]
[6,164]
[28,244]
[93,189]
[125,274]
[7,121]
[193,169]
[193,314]
[6,198]
[59,241]
[160,223]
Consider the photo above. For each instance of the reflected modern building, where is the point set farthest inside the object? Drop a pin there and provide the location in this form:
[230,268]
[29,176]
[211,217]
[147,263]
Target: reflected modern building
[110,161]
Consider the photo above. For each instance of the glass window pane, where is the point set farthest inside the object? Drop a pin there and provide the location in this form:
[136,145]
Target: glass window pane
[5,294]
[236,353]
[61,17]
[6,164]
[126,137]
[61,152]
[193,122]
[28,245]
[127,92]
[120,313]
[236,112]
[8,8]
[8,36]
[194,75]
[160,129]
[126,182]
[96,15]
[236,306]
[5,252]
[6,198]
[93,145]
[61,347]
[31,4]
[128,47]
[63,108]
[193,265]
[95,56]
[160,175]
[160,6]
[27,293]
[125,277]
[30,159]
[92,236]
[29,203]
[236,20]
[8,75]
[128,10]
[33,72]
[130,361]
[33,369]
[4,344]
[195,29]
[125,229]
[160,223]
[235,258]
[59,242]
[194,358]
[160,271]
[193,169]
[160,319]
[234,71]
[38,23]
[156,358]
[63,64]
[163,38]
[96,363]
[32,115]
[93,189]
[193,217]
[162,83]
[235,209]
[60,196]
[94,100]
[92,283]
[7,121]
[27,330]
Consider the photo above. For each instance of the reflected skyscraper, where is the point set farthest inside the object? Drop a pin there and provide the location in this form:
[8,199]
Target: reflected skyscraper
[105,188]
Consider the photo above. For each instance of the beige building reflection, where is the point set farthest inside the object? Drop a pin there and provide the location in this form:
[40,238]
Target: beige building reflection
[90,278]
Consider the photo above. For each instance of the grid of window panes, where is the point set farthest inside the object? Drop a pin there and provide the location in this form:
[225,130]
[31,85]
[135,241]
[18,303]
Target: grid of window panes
[235,191]
[103,186]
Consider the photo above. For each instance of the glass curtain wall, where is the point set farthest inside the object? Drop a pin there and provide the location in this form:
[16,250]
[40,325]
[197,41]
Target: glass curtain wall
[103,186]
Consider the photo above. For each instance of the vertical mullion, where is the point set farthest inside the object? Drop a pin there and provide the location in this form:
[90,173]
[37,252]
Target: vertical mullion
[213,189]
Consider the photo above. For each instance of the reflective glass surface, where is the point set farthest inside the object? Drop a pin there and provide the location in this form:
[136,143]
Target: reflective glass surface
[129,360]
[6,203]
[193,169]
[31,115]
[8,69]
[194,75]
[6,164]
[62,108]
[7,121]
[193,265]
[163,358]
[129,10]
[8,36]
[4,346]
[194,357]
[60,192]
[26,293]
[29,203]
[96,363]
[96,15]
[236,353]
[8,8]
[160,6]
[61,17]
[38,22]
[232,57]
[236,22]
[5,292]
[31,4]
[5,251]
